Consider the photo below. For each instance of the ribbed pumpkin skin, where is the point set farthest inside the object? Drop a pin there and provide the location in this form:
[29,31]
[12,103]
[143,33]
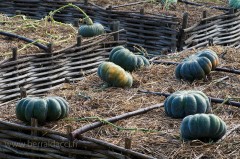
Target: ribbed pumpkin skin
[126,59]
[197,66]
[114,75]
[183,103]
[43,109]
[91,30]
[235,4]
[204,127]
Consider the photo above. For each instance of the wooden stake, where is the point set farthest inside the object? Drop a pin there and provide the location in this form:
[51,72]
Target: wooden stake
[142,11]
[86,2]
[114,28]
[76,23]
[23,92]
[128,143]
[181,33]
[50,48]
[34,123]
[14,53]
[79,40]
[204,14]
[210,41]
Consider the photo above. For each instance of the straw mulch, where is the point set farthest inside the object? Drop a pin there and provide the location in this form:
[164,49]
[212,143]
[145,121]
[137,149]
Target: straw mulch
[195,12]
[89,98]
[42,31]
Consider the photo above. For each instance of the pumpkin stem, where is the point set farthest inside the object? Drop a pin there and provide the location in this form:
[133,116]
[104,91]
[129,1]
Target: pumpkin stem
[86,18]
[119,128]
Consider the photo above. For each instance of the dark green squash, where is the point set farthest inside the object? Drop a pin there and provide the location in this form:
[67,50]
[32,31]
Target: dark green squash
[197,66]
[127,59]
[235,4]
[43,109]
[90,30]
[183,103]
[114,75]
[204,127]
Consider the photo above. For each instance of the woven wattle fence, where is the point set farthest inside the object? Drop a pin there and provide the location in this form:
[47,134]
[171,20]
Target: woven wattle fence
[18,141]
[220,30]
[156,33]
[42,72]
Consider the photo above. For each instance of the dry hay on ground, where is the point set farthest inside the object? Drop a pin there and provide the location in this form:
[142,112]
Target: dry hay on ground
[88,98]
[60,34]
[195,12]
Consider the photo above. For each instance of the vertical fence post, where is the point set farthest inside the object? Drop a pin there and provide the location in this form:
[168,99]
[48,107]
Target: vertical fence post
[204,14]
[79,40]
[128,143]
[142,11]
[14,58]
[115,27]
[14,53]
[76,23]
[71,144]
[34,124]
[210,41]
[182,34]
[23,92]
[85,2]
[50,51]
[50,48]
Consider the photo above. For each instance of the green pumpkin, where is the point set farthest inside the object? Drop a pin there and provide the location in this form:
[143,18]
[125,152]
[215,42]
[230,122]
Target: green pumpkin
[197,66]
[204,127]
[183,103]
[126,59]
[90,30]
[235,4]
[114,75]
[43,109]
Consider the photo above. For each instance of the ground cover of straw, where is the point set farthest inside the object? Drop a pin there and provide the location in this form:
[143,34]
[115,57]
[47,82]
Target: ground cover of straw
[42,31]
[89,98]
[195,12]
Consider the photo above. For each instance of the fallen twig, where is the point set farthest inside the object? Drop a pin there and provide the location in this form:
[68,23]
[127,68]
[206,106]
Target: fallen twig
[119,128]
[45,48]
[88,127]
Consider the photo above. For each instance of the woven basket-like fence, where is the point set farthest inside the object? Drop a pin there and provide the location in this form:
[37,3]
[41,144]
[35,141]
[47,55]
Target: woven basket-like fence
[23,142]
[156,33]
[219,30]
[42,72]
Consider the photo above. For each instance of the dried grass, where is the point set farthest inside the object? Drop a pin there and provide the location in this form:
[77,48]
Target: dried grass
[195,12]
[61,35]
